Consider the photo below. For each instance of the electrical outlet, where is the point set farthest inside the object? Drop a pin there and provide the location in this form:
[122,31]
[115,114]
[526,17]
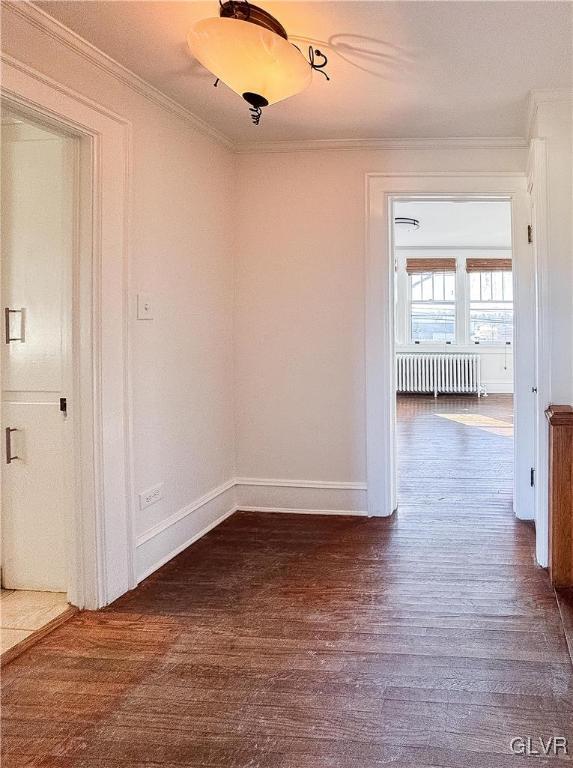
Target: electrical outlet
[150,496]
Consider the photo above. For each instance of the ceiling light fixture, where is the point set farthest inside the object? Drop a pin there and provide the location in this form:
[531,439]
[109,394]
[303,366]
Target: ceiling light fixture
[406,223]
[248,50]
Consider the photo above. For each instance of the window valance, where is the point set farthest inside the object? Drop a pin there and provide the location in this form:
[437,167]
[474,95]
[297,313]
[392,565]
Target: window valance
[415,266]
[488,265]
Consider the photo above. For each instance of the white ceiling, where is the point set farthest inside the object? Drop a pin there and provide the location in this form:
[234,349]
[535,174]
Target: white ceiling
[460,223]
[398,69]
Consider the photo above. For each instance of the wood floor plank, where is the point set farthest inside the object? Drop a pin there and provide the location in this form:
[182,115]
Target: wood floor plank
[429,639]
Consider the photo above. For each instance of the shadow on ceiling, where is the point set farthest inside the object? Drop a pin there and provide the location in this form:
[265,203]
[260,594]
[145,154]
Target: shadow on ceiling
[369,54]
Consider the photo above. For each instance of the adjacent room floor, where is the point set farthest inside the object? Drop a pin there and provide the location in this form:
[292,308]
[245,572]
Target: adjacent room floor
[456,449]
[24,612]
[427,639]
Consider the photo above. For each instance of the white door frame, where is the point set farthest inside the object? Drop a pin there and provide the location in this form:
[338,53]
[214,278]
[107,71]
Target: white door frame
[103,544]
[381,190]
[538,190]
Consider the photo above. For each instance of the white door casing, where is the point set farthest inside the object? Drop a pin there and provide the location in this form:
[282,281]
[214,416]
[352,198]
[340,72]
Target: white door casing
[102,547]
[524,383]
[537,186]
[381,190]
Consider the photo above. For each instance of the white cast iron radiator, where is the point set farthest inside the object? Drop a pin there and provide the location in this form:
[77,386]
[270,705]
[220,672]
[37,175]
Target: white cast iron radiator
[455,373]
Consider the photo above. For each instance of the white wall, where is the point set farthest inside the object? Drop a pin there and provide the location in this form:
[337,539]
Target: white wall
[183,429]
[299,342]
[277,398]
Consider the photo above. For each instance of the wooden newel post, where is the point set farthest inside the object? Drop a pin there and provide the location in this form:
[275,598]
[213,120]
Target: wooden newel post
[560,418]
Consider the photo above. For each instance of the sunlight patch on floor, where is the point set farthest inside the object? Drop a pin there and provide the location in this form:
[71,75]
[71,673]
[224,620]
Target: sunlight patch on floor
[478,420]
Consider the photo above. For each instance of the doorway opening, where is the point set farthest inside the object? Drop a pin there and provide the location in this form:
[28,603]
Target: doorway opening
[384,191]
[454,349]
[101,561]
[39,229]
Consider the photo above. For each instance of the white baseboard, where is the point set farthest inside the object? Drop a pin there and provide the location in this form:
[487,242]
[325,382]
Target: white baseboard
[527,515]
[305,496]
[353,512]
[163,541]
[180,547]
[168,538]
[322,484]
[499,387]
[182,513]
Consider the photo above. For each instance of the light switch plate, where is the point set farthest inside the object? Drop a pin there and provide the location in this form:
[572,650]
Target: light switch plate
[144,307]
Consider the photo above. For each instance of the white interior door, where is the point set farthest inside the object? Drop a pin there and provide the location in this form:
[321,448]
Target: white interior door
[525,396]
[535,378]
[37,244]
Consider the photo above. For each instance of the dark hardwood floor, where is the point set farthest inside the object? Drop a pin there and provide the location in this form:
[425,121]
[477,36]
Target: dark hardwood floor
[294,641]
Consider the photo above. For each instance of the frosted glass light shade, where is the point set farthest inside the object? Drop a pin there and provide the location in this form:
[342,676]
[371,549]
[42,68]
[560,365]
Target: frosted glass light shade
[250,58]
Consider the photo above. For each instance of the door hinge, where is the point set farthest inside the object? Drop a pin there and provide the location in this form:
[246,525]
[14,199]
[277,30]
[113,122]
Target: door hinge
[64,405]
[529,233]
[532,477]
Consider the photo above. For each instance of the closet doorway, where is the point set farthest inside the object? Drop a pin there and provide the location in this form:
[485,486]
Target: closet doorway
[38,218]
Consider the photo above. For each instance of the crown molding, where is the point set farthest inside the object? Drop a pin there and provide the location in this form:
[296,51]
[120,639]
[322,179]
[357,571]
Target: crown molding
[42,20]
[501,142]
[540,96]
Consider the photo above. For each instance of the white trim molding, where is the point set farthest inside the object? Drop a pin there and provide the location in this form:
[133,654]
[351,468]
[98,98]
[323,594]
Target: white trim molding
[540,96]
[102,549]
[324,484]
[380,144]
[381,190]
[167,538]
[163,541]
[155,530]
[285,510]
[497,387]
[157,564]
[151,558]
[539,192]
[310,496]
[43,21]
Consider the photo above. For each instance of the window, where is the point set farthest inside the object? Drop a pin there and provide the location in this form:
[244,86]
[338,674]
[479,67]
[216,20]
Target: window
[491,307]
[455,301]
[433,306]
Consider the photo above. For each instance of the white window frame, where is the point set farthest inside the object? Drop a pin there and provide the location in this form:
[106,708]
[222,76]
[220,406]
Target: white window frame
[490,345]
[434,342]
[403,301]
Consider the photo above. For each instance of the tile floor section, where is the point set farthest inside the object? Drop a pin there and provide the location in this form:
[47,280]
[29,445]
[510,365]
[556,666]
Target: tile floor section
[22,613]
